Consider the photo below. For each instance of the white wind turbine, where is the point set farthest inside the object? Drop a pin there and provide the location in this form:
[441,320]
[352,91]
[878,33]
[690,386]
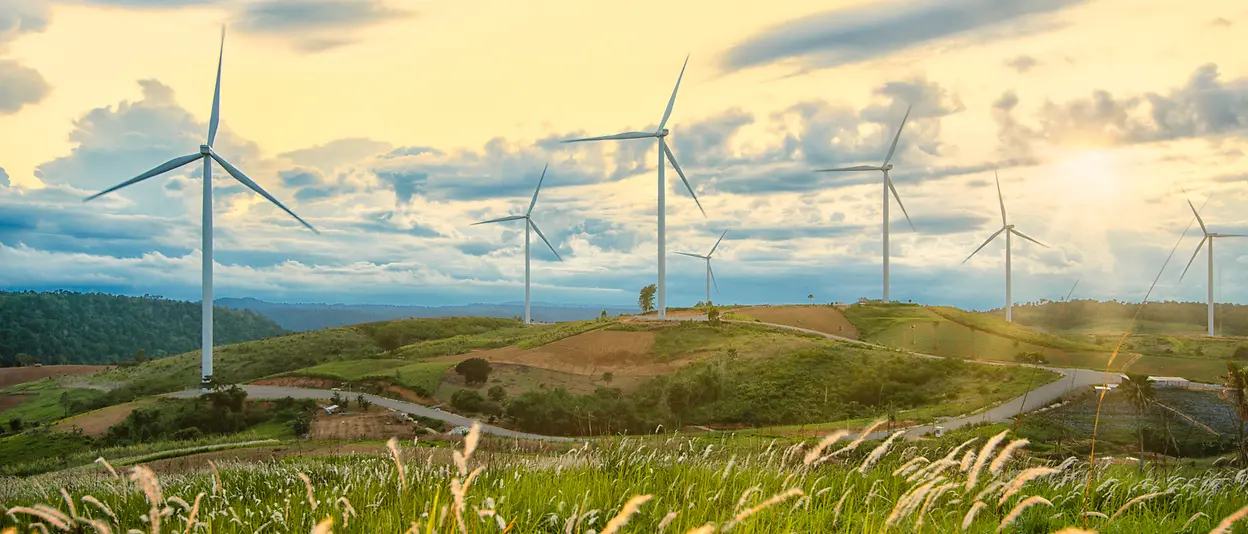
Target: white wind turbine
[1209,236]
[1008,229]
[661,135]
[710,274]
[888,186]
[528,222]
[208,155]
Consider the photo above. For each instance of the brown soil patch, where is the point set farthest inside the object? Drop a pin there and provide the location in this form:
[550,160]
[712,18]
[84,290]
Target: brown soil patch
[98,422]
[824,319]
[299,382]
[378,423]
[19,375]
[591,353]
[9,401]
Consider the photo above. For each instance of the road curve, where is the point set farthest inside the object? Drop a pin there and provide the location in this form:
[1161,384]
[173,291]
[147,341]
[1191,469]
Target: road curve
[278,392]
[1039,397]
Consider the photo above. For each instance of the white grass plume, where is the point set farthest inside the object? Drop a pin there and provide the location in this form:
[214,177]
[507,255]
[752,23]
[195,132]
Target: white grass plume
[52,516]
[307,484]
[1224,527]
[667,520]
[813,454]
[999,462]
[982,457]
[1019,508]
[630,508]
[96,503]
[878,452]
[778,498]
[861,438]
[151,489]
[1139,499]
[393,445]
[1192,519]
[970,514]
[1017,482]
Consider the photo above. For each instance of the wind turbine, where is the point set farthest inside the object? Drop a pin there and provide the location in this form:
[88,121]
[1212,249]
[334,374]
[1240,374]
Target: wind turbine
[888,186]
[207,154]
[1008,229]
[1209,236]
[661,135]
[710,274]
[528,223]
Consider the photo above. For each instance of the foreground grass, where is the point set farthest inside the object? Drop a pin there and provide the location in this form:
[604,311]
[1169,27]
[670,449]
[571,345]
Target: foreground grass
[672,484]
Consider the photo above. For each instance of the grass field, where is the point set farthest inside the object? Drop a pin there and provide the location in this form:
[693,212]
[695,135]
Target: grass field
[669,484]
[10,376]
[42,401]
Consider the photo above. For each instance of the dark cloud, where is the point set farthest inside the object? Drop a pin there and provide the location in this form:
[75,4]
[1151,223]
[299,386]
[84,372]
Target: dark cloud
[476,248]
[300,177]
[1204,106]
[1022,63]
[858,33]
[783,233]
[4,177]
[20,86]
[315,25]
[73,228]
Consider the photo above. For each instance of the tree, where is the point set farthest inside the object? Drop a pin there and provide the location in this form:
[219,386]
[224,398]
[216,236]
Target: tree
[607,377]
[140,356]
[497,394]
[1139,391]
[301,426]
[812,298]
[1236,382]
[15,424]
[467,400]
[474,370]
[603,317]
[678,397]
[712,315]
[362,402]
[65,402]
[646,299]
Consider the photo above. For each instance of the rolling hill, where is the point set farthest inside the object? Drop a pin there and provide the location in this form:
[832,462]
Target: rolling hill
[63,327]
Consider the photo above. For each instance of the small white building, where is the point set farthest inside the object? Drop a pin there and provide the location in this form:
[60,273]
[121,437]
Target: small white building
[331,409]
[1169,381]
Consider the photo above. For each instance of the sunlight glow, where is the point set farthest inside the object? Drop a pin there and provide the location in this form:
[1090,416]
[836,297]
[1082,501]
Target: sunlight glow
[1089,171]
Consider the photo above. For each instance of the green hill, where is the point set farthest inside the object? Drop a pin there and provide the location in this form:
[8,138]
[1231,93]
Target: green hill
[62,327]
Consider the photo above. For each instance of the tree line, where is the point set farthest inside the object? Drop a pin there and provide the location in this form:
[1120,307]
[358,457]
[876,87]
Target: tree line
[64,327]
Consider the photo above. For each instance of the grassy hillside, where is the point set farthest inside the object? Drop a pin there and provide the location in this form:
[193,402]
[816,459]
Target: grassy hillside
[945,331]
[95,328]
[1112,316]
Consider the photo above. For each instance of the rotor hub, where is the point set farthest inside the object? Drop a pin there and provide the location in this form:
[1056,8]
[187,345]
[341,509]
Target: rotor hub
[663,132]
[888,167]
[205,149]
[1009,227]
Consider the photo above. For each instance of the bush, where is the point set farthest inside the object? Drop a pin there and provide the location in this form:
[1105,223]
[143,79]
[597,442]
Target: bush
[188,434]
[474,370]
[362,402]
[467,400]
[497,394]
[301,426]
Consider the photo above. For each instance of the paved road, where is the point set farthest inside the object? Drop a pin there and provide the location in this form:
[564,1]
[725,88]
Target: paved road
[1037,398]
[276,392]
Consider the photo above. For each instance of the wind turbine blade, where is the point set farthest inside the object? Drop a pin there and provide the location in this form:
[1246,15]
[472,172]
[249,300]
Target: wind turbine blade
[1072,290]
[1000,198]
[896,137]
[238,175]
[216,94]
[160,169]
[691,255]
[1198,219]
[903,206]
[721,238]
[539,188]
[507,218]
[1194,254]
[986,241]
[672,101]
[544,240]
[1232,235]
[625,135]
[676,166]
[858,168]
[1025,236]
[712,271]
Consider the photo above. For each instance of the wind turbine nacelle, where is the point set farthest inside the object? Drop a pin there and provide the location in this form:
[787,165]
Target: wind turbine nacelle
[888,167]
[662,133]
[205,150]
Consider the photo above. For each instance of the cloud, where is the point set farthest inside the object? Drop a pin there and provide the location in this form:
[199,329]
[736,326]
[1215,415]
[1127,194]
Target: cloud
[315,25]
[1221,22]
[19,17]
[1204,106]
[338,153]
[859,33]
[1022,63]
[4,178]
[19,86]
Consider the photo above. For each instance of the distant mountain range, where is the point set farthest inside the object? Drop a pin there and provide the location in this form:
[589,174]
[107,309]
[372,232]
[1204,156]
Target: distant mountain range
[305,317]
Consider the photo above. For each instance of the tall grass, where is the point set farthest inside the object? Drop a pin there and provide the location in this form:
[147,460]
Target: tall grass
[682,484]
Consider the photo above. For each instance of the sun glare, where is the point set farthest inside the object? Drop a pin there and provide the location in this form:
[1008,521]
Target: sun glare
[1089,171]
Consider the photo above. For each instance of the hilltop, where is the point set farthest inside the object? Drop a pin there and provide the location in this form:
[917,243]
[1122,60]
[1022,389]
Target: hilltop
[63,327]
[303,317]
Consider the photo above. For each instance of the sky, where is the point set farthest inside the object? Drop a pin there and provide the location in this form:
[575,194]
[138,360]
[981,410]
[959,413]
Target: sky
[393,125]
